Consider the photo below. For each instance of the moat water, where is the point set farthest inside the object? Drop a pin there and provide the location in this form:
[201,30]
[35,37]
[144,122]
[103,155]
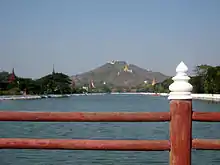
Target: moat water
[105,130]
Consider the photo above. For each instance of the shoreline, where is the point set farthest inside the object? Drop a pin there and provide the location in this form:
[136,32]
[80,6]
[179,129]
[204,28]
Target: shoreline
[206,97]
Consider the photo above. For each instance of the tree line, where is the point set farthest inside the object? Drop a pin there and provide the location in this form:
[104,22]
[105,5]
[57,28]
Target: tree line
[54,83]
[205,80]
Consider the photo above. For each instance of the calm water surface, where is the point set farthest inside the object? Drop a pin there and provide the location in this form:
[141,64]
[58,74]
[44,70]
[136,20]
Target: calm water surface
[106,103]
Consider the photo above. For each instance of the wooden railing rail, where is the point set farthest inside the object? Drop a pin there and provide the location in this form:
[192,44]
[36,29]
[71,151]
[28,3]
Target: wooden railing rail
[85,116]
[180,116]
[79,144]
[102,116]
[206,116]
[205,144]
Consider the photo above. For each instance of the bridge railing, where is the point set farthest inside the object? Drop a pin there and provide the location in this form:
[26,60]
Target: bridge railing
[180,117]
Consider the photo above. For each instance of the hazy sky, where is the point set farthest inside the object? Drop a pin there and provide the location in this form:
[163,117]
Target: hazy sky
[79,35]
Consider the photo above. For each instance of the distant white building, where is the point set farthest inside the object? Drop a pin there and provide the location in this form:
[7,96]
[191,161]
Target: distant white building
[85,88]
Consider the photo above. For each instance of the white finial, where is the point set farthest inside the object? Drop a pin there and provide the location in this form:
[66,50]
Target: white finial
[180,88]
[181,68]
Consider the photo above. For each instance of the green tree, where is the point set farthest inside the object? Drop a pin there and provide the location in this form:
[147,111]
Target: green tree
[198,84]
[212,80]
[106,89]
[57,83]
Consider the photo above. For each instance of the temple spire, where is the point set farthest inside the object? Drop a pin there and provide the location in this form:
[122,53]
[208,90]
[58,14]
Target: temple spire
[53,72]
[12,76]
[13,71]
[153,82]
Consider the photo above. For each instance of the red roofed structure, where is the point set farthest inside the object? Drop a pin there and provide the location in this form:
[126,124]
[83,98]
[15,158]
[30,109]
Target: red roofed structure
[11,76]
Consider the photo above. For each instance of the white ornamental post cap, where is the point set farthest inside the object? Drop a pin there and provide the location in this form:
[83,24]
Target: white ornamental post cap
[180,88]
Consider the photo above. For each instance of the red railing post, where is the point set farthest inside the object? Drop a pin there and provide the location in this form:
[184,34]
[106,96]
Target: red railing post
[181,118]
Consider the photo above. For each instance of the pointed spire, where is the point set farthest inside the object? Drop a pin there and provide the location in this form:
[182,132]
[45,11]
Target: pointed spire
[11,76]
[53,70]
[153,82]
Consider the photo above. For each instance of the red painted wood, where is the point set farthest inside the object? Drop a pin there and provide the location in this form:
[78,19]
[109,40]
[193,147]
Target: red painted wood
[206,116]
[85,116]
[206,144]
[123,145]
[180,132]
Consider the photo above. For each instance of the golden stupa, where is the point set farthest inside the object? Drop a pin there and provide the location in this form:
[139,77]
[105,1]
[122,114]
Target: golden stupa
[153,82]
[126,68]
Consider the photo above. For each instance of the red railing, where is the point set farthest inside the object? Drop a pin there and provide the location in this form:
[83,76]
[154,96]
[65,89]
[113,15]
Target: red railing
[179,144]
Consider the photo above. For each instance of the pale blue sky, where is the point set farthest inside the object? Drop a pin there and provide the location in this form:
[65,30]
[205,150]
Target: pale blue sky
[79,35]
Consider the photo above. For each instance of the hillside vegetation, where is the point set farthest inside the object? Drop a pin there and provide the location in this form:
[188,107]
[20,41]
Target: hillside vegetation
[119,74]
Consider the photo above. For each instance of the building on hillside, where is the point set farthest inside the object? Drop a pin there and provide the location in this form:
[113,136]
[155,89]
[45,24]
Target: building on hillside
[112,62]
[91,84]
[145,82]
[85,88]
[126,69]
[114,90]
[133,90]
[153,82]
